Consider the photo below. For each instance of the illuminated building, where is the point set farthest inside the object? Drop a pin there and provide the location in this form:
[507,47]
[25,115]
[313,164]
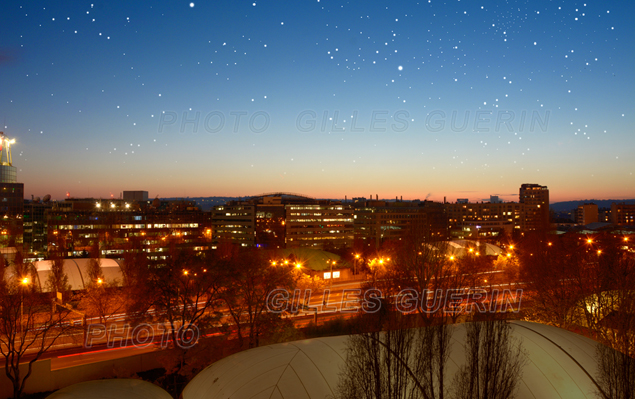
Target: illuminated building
[536,200]
[586,214]
[623,214]
[284,220]
[36,226]
[235,222]
[11,198]
[116,225]
[324,224]
[377,221]
[484,219]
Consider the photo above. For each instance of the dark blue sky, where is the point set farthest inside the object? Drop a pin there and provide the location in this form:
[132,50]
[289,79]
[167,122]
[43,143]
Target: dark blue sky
[455,98]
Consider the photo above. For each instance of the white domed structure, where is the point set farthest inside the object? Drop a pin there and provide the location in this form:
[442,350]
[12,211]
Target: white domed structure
[561,365]
[109,389]
[77,272]
[459,248]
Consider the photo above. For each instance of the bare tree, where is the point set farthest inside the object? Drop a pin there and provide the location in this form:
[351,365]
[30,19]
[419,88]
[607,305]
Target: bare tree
[103,300]
[432,355]
[28,325]
[95,274]
[422,263]
[397,363]
[494,362]
[553,271]
[609,308]
[250,279]
[461,275]
[616,374]
[610,314]
[185,292]
[58,280]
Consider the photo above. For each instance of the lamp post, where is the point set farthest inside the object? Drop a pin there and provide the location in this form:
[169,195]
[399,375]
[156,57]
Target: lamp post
[331,262]
[355,264]
[23,282]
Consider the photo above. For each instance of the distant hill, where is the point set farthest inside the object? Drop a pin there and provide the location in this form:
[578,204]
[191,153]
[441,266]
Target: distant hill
[569,205]
[207,203]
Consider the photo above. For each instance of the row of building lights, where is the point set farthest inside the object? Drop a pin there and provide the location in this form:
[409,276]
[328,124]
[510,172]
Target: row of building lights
[112,205]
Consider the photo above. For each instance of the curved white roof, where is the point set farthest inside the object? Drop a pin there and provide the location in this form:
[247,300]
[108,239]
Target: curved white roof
[561,364]
[459,247]
[114,388]
[77,272]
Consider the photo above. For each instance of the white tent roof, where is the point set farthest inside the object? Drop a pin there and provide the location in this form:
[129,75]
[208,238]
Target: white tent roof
[77,272]
[114,388]
[561,365]
[459,247]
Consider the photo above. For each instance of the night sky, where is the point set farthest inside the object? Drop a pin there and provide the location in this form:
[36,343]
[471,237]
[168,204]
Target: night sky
[416,99]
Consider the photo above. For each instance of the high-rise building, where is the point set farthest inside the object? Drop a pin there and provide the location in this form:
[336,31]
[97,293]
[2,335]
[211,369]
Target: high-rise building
[284,220]
[536,200]
[235,222]
[484,219]
[377,221]
[586,214]
[320,225]
[36,226]
[11,198]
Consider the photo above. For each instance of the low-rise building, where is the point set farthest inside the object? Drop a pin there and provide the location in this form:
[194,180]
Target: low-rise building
[623,214]
[116,225]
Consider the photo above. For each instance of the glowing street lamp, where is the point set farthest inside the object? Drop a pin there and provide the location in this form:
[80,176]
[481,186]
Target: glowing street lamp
[331,262]
[23,282]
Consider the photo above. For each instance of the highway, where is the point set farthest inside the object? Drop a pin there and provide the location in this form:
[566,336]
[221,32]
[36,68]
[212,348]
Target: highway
[121,340]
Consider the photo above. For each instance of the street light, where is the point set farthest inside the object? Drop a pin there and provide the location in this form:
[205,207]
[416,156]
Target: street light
[355,264]
[331,262]
[23,282]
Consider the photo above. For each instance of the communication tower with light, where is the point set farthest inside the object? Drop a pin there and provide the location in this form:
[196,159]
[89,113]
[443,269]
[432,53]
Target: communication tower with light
[8,172]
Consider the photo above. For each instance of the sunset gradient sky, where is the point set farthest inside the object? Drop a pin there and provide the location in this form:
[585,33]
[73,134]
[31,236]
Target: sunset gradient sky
[324,98]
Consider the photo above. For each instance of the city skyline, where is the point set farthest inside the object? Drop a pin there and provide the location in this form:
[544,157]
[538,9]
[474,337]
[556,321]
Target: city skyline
[416,99]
